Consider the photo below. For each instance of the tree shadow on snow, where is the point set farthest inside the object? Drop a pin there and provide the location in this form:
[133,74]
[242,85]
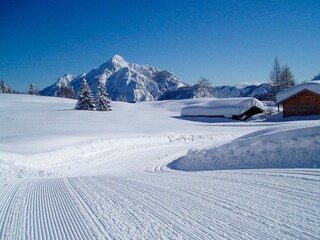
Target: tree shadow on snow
[63,110]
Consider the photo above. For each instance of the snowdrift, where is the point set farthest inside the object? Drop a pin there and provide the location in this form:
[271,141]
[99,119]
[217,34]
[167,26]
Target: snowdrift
[237,108]
[292,146]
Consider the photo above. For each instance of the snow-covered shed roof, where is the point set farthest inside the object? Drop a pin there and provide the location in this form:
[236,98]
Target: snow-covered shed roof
[225,107]
[313,86]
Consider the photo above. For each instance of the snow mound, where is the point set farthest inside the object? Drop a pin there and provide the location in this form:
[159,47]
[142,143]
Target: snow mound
[292,146]
[226,107]
[10,169]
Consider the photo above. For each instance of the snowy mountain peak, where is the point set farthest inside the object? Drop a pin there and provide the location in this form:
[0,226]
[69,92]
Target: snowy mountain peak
[66,78]
[52,90]
[115,63]
[130,81]
[67,75]
[117,58]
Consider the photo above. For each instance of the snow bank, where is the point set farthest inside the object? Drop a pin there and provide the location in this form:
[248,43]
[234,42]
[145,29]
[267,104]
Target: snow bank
[76,152]
[226,107]
[10,169]
[291,146]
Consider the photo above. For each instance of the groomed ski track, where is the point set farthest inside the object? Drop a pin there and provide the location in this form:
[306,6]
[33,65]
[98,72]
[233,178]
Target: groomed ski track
[131,194]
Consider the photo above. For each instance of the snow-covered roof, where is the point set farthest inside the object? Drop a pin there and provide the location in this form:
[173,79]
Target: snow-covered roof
[313,86]
[227,107]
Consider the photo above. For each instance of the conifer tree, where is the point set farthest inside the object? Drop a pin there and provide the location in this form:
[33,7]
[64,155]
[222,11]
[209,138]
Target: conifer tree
[10,90]
[317,77]
[70,92]
[65,91]
[280,78]
[3,87]
[102,101]
[287,79]
[31,90]
[275,78]
[122,99]
[85,98]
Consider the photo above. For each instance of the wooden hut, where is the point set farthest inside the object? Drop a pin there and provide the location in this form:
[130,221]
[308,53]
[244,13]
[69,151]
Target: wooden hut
[301,100]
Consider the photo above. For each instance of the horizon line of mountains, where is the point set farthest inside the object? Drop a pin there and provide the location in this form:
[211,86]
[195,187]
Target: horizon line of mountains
[135,83]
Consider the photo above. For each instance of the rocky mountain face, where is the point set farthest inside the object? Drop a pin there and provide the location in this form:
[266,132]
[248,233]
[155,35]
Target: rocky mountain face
[124,81]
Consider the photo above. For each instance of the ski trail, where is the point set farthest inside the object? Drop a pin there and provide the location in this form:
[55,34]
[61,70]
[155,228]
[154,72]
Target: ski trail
[9,203]
[137,197]
[47,210]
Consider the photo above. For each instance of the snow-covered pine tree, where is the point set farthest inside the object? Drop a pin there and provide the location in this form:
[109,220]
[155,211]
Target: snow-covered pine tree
[122,99]
[10,90]
[31,90]
[65,91]
[102,101]
[3,87]
[85,98]
[70,92]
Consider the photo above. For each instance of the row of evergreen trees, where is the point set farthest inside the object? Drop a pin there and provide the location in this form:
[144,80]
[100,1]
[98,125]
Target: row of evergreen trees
[65,91]
[4,88]
[86,100]
[10,90]
[32,90]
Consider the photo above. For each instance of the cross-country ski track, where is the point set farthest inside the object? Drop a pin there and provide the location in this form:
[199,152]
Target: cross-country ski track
[131,194]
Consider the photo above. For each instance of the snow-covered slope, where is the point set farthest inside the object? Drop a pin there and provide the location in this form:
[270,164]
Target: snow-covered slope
[126,81]
[291,146]
[258,91]
[111,179]
[131,86]
[54,88]
[226,91]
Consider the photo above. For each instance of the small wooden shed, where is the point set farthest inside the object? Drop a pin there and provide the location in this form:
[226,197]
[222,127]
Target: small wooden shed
[301,100]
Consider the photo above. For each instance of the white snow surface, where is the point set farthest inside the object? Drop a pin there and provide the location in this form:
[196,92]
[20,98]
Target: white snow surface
[226,107]
[291,146]
[67,174]
[313,86]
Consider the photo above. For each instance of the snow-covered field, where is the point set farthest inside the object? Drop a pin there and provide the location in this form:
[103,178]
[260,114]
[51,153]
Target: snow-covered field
[68,174]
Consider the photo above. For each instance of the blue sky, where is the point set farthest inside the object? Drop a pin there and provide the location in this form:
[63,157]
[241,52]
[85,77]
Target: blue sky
[227,41]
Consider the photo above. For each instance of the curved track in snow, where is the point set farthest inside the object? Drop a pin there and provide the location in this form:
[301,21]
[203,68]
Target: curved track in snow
[129,193]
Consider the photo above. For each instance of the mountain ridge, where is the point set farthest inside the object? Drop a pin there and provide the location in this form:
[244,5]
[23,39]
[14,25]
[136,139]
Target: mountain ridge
[134,82]
[130,81]
[260,92]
